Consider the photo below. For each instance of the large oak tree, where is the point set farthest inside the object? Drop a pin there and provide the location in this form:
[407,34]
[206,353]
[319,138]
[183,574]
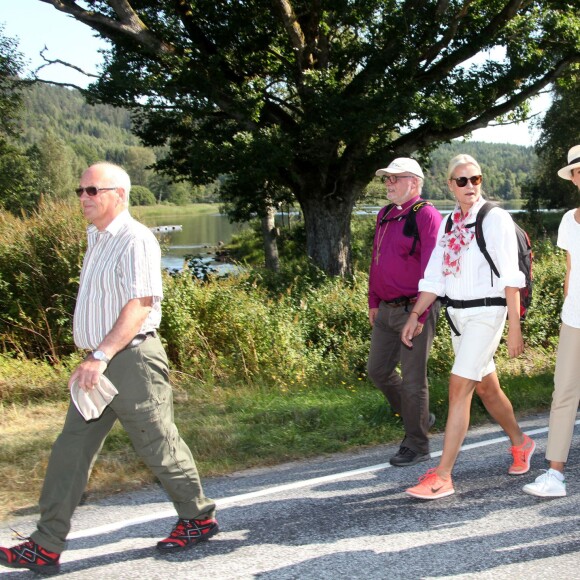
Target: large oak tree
[311,96]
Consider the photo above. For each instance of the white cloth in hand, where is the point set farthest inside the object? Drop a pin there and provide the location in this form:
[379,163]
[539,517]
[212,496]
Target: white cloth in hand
[92,403]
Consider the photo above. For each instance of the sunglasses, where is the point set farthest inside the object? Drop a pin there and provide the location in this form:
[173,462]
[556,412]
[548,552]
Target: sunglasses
[462,181]
[392,179]
[92,190]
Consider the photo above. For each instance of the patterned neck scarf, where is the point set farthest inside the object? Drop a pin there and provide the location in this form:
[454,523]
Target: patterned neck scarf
[456,242]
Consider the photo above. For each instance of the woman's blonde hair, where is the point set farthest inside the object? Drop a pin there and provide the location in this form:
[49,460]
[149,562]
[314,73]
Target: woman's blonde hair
[458,160]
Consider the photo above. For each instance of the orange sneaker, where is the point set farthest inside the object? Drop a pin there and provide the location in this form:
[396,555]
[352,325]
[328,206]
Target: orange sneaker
[522,455]
[431,486]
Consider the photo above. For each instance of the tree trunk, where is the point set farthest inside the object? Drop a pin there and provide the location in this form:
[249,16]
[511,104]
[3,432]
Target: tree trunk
[327,223]
[270,233]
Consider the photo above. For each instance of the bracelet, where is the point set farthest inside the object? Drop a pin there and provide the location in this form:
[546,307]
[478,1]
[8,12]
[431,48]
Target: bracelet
[414,312]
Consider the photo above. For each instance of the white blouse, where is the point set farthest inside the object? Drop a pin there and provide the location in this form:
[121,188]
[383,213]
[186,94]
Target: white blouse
[476,280]
[569,240]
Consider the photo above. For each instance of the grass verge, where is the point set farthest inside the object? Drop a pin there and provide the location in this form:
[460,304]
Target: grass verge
[241,426]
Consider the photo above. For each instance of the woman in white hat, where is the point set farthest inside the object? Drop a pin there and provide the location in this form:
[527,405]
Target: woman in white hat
[566,384]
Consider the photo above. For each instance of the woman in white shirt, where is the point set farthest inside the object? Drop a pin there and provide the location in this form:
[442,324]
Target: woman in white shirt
[458,270]
[566,384]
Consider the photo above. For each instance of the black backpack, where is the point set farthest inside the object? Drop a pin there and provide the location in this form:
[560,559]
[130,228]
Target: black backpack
[410,228]
[525,254]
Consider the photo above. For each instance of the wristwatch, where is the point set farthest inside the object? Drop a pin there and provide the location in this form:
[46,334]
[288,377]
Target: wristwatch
[100,355]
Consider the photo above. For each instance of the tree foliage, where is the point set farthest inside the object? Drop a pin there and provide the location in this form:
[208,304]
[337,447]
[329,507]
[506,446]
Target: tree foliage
[560,131]
[11,64]
[311,96]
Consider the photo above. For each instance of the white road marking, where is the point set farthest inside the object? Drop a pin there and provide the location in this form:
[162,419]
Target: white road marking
[228,501]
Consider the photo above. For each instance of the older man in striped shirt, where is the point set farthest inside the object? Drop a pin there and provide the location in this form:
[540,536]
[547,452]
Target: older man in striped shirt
[117,314]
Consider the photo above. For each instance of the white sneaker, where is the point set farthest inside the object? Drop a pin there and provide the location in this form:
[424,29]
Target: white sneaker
[547,485]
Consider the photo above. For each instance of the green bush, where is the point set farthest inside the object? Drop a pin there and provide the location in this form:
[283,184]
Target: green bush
[141,195]
[220,328]
[40,260]
[542,324]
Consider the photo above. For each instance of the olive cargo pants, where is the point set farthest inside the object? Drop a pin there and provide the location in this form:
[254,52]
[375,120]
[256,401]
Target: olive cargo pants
[144,406]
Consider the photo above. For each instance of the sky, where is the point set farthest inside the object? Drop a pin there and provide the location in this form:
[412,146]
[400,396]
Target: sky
[36,25]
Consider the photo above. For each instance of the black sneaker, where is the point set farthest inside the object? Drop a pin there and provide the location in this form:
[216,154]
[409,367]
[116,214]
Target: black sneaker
[188,533]
[406,456]
[31,556]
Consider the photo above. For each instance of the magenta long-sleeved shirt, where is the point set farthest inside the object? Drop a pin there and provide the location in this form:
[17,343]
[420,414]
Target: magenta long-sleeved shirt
[394,273]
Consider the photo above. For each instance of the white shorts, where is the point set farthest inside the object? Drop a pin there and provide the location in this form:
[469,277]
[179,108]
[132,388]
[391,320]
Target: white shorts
[481,330]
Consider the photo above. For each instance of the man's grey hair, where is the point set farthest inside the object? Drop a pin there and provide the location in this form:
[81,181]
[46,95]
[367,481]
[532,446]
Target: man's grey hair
[419,184]
[116,176]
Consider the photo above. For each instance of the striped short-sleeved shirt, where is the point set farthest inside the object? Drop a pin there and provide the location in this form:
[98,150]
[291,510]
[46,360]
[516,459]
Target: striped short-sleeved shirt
[122,262]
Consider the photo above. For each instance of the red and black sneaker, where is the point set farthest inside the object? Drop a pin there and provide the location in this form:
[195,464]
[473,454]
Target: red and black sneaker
[188,533]
[32,556]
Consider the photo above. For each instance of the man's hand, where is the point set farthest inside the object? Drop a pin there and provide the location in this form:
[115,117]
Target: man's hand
[373,315]
[88,373]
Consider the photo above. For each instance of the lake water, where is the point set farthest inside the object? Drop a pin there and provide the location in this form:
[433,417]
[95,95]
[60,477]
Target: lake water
[201,234]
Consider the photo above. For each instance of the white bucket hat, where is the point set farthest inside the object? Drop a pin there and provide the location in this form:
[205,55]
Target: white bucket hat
[401,165]
[573,161]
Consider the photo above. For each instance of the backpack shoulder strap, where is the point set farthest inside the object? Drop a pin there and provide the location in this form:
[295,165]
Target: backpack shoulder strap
[483,211]
[448,223]
[411,228]
[386,211]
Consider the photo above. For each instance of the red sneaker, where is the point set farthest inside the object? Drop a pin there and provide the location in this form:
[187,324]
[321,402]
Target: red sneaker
[431,486]
[522,455]
[32,556]
[188,533]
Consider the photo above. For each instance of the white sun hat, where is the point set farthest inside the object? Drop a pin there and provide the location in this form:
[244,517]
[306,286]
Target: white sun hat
[402,165]
[573,162]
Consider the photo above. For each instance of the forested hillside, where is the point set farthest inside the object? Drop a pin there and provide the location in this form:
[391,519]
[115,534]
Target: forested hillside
[67,134]
[60,135]
[93,132]
[505,168]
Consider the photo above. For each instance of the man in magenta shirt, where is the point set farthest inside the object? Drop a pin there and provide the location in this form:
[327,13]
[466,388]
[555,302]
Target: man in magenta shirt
[398,263]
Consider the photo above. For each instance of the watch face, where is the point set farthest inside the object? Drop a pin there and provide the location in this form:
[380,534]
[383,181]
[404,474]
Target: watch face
[100,355]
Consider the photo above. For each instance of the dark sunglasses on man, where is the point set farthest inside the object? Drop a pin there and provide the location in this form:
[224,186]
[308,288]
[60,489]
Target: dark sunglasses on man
[92,190]
[392,179]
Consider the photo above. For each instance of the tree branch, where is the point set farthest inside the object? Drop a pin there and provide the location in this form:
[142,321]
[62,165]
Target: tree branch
[49,62]
[293,28]
[433,51]
[427,135]
[129,25]
[444,66]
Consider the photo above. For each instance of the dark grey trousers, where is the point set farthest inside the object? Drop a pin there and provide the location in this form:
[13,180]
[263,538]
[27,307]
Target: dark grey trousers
[407,392]
[144,406]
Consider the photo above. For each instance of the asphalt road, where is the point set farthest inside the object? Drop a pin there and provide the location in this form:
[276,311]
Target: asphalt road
[344,516]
